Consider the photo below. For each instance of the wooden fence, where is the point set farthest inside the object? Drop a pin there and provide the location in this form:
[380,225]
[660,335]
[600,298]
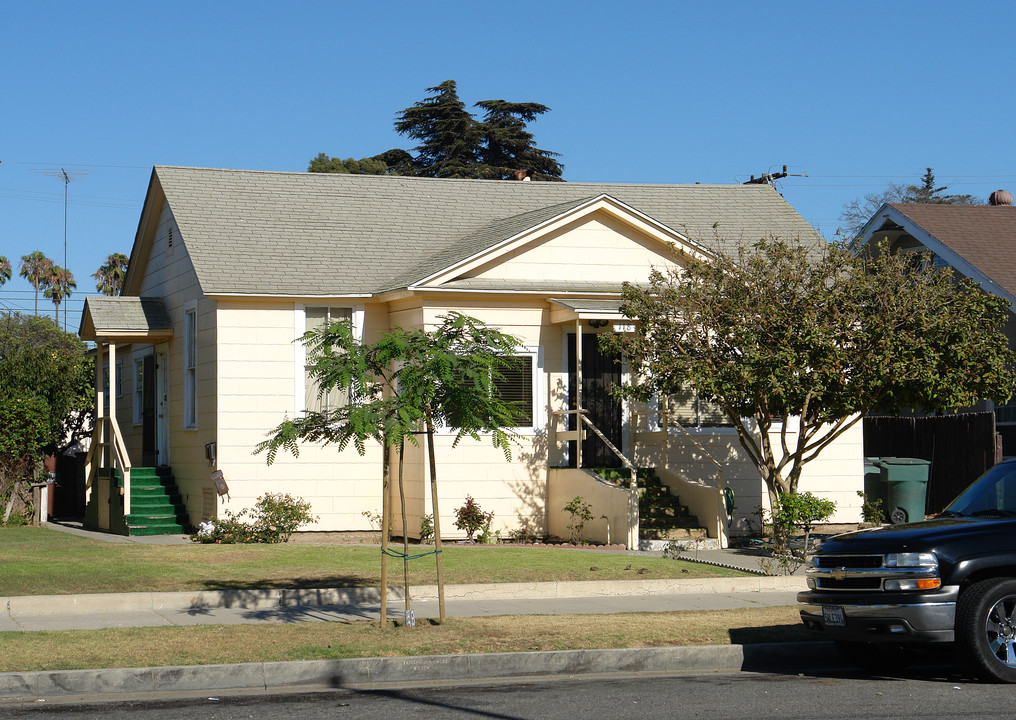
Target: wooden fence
[959,447]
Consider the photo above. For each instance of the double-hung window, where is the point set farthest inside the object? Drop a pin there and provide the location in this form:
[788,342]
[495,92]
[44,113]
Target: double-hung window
[515,387]
[190,368]
[318,318]
[689,409]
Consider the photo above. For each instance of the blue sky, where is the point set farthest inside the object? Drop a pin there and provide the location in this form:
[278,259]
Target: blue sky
[853,94]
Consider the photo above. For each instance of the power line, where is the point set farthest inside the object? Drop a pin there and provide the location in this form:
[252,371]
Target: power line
[77,165]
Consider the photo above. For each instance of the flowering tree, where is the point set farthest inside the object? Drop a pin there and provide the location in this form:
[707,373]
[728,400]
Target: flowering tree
[808,340]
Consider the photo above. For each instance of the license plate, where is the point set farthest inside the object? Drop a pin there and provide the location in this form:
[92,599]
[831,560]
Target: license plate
[833,616]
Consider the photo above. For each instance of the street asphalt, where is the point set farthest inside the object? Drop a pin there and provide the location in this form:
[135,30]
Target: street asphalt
[35,613]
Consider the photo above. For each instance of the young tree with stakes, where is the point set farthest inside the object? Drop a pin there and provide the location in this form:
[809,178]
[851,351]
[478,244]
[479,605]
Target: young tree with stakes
[804,341]
[407,380]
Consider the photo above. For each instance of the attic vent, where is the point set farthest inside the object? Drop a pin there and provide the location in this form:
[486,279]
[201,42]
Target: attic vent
[169,235]
[1000,197]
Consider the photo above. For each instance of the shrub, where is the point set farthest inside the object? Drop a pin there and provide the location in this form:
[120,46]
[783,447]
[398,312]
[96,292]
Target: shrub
[580,512]
[426,528]
[472,519]
[274,519]
[871,510]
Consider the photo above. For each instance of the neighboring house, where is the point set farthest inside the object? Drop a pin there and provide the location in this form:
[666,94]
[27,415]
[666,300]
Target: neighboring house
[230,267]
[979,243]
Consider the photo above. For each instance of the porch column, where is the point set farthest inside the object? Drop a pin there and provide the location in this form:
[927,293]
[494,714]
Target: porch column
[113,424]
[99,437]
[578,393]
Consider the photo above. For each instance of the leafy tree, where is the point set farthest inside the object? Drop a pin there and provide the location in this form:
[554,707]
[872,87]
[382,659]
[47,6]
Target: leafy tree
[390,162]
[111,274]
[23,433]
[449,135]
[406,380]
[5,270]
[365,166]
[35,268]
[804,341]
[45,398]
[39,360]
[506,145]
[857,212]
[59,286]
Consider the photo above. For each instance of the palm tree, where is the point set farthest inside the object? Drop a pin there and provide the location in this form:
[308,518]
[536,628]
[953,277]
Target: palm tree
[35,268]
[111,274]
[59,286]
[5,270]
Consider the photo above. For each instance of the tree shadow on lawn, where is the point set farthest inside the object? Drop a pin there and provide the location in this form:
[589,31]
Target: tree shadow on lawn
[311,583]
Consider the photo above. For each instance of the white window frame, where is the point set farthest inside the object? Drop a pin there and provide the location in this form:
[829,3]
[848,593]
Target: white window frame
[539,390]
[190,365]
[539,381]
[300,350]
[653,406]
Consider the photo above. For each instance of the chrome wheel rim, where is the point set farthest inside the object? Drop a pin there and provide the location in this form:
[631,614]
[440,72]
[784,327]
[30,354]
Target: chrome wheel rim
[1000,630]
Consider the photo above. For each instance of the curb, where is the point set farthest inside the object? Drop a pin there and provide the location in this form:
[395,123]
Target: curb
[53,605]
[368,672]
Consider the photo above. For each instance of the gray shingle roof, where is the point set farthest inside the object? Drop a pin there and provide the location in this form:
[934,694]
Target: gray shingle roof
[273,233]
[126,314]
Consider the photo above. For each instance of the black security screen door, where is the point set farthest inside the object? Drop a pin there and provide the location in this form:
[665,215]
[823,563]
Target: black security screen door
[600,373]
[148,445]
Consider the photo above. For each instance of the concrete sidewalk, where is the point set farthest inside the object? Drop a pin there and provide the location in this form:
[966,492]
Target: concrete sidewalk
[261,606]
[66,612]
[70,612]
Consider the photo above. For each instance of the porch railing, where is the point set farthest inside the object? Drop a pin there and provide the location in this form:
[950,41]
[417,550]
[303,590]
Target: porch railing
[108,449]
[633,493]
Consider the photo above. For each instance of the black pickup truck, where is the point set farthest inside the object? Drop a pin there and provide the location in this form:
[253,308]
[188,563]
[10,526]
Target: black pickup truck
[882,593]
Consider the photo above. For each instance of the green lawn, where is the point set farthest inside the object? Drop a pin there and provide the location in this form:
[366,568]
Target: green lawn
[211,644]
[38,561]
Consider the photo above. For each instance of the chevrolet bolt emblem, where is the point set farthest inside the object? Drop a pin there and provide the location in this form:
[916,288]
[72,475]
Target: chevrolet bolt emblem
[839,573]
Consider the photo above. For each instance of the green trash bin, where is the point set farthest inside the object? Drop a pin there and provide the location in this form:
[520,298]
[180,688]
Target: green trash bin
[907,481]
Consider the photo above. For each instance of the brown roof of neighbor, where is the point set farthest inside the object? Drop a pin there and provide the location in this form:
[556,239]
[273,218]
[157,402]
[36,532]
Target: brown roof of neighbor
[983,235]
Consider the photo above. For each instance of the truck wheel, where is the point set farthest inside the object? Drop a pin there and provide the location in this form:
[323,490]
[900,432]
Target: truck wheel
[986,629]
[878,658]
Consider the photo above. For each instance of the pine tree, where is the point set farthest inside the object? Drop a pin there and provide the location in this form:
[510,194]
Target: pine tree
[454,144]
[506,145]
[449,136]
[926,192]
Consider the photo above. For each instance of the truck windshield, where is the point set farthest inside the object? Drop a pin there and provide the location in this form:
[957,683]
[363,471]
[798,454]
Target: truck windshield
[993,492]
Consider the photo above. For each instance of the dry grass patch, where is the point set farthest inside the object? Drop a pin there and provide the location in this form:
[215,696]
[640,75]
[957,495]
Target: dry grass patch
[201,645]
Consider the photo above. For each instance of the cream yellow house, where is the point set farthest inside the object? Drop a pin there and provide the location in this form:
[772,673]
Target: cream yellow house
[229,267]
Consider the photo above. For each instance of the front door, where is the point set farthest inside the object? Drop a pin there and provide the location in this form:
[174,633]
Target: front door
[149,444]
[601,372]
[162,404]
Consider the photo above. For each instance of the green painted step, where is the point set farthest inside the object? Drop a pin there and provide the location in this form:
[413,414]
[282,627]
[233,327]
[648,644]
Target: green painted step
[156,505]
[661,514]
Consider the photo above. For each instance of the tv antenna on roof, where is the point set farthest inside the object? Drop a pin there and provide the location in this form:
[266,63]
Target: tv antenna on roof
[67,176]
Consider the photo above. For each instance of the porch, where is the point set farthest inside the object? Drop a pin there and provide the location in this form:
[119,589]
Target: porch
[603,432]
[112,479]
